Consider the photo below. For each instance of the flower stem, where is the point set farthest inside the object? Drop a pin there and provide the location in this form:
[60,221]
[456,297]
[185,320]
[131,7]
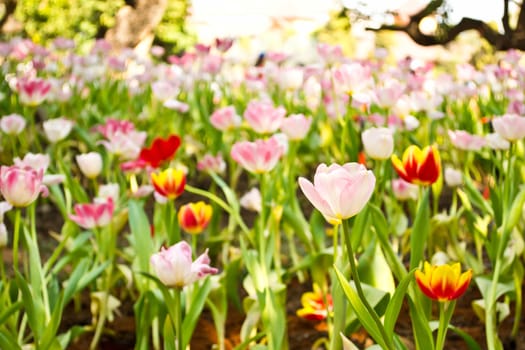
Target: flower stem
[445,313]
[178,318]
[359,288]
[16,238]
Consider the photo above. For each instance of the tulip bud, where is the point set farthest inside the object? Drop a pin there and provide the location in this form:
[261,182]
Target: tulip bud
[57,129]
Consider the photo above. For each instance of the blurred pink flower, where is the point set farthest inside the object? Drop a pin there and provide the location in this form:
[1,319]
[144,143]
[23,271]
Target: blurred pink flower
[174,266]
[225,118]
[32,91]
[212,163]
[21,186]
[223,44]
[257,157]
[91,215]
[466,141]
[113,126]
[127,146]
[352,77]
[164,90]
[330,53]
[404,190]
[339,191]
[35,161]
[510,126]
[263,117]
[211,64]
[296,126]
[12,124]
[388,93]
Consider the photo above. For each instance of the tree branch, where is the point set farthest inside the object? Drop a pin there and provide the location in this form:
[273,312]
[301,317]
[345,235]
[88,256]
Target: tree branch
[412,29]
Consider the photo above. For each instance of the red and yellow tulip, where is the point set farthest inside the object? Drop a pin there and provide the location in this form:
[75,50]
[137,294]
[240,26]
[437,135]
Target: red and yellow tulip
[194,217]
[443,282]
[169,183]
[316,306]
[418,166]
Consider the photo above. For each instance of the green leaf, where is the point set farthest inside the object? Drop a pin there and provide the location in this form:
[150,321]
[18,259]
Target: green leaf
[485,282]
[394,306]
[8,342]
[382,230]
[516,210]
[10,311]
[476,198]
[35,314]
[76,275]
[191,318]
[362,313]
[420,231]
[49,340]
[359,227]
[422,333]
[142,241]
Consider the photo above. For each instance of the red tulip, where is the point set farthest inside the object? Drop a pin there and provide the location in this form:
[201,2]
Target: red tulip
[161,150]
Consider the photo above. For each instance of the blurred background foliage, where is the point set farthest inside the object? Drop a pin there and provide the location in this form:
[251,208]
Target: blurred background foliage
[87,20]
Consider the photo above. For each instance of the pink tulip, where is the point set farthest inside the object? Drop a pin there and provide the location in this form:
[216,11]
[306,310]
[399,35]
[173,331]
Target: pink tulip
[114,126]
[511,127]
[212,163]
[12,124]
[296,126]
[175,268]
[32,91]
[263,117]
[352,77]
[339,191]
[466,141]
[127,146]
[91,215]
[35,161]
[257,157]
[21,186]
[225,118]
[330,54]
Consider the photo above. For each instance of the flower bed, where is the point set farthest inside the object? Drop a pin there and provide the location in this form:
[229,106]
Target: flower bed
[355,201]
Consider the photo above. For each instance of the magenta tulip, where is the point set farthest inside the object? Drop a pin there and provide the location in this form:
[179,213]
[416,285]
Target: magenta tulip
[91,215]
[21,186]
[175,268]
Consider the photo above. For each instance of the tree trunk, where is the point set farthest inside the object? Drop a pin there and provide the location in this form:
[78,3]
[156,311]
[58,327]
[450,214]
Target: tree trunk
[134,24]
[9,9]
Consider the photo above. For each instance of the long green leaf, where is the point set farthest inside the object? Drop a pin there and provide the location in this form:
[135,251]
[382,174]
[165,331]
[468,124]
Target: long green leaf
[191,318]
[35,315]
[420,231]
[8,342]
[140,230]
[360,310]
[394,306]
